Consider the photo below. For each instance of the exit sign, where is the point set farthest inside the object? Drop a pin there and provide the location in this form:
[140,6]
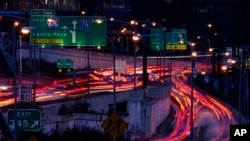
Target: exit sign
[157,38]
[68,30]
[43,12]
[26,119]
[176,39]
[64,63]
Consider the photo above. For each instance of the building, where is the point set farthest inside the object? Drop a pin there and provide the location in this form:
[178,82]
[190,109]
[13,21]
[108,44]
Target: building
[228,17]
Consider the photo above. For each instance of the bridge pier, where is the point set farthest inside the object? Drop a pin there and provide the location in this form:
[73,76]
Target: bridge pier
[149,110]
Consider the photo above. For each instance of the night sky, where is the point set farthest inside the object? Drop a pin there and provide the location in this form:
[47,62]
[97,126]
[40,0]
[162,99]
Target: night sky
[147,8]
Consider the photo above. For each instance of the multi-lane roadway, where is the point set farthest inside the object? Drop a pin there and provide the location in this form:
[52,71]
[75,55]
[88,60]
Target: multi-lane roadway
[208,111]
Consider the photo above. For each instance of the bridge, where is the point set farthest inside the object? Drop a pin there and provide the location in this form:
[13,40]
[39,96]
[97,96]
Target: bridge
[143,109]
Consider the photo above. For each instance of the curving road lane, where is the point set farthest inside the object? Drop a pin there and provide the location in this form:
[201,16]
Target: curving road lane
[208,111]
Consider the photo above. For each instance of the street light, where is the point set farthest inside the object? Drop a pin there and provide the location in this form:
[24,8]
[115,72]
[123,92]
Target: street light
[14,48]
[208,47]
[224,68]
[120,39]
[144,58]
[209,25]
[208,40]
[194,45]
[193,55]
[23,31]
[98,34]
[144,24]
[222,37]
[131,31]
[135,39]
[220,34]
[121,21]
[14,53]
[14,26]
[226,53]
[245,87]
[216,52]
[130,24]
[206,77]
[14,80]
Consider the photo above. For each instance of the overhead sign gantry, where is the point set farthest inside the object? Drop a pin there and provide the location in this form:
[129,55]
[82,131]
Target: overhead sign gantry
[176,39]
[67,30]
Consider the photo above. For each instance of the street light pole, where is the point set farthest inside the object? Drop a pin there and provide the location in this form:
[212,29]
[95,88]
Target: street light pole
[224,68]
[195,27]
[192,95]
[224,39]
[34,73]
[14,81]
[193,44]
[246,92]
[208,40]
[20,59]
[144,49]
[144,56]
[135,38]
[134,66]
[244,85]
[207,48]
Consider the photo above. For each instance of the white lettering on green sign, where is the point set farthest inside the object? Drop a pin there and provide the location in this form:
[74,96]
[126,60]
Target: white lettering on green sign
[68,30]
[38,20]
[73,32]
[50,34]
[26,119]
[48,12]
[23,114]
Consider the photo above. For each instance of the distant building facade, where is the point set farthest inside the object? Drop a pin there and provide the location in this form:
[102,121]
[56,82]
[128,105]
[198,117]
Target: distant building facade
[227,16]
[60,5]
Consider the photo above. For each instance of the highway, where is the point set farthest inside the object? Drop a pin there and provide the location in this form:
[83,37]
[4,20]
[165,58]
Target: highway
[99,81]
[208,111]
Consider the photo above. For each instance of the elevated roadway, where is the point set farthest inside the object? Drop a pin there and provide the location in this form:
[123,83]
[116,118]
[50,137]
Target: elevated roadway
[147,108]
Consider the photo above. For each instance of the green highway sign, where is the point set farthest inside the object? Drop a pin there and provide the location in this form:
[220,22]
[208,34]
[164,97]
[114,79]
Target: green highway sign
[26,119]
[157,38]
[64,63]
[68,30]
[176,39]
[42,12]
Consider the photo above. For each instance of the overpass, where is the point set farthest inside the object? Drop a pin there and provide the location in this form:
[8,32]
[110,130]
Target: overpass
[79,57]
[143,109]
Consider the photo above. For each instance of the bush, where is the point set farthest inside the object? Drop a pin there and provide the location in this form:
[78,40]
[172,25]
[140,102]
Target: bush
[86,134]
